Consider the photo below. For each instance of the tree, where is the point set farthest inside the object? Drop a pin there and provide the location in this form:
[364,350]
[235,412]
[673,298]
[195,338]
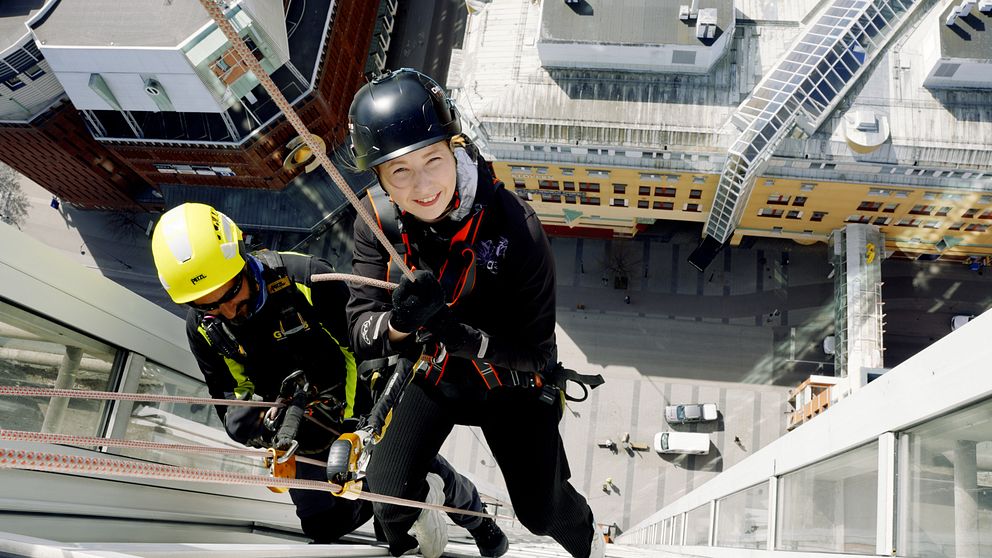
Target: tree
[13,202]
[621,261]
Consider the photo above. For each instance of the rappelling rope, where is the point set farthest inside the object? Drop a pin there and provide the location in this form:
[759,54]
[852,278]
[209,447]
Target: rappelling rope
[248,59]
[72,440]
[118,396]
[45,461]
[357,279]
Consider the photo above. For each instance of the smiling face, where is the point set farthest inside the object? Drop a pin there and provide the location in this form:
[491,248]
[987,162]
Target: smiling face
[421,182]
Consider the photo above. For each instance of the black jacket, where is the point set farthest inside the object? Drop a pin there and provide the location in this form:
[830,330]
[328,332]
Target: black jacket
[321,351]
[513,300]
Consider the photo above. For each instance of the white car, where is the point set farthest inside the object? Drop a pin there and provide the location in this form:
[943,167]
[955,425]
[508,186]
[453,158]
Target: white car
[960,320]
[682,442]
[696,412]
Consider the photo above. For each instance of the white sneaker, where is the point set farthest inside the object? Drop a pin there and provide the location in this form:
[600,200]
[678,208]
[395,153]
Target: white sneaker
[597,548]
[430,530]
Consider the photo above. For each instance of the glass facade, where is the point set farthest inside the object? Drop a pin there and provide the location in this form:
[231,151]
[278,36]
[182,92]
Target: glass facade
[742,518]
[697,526]
[35,352]
[947,483]
[180,423]
[830,506]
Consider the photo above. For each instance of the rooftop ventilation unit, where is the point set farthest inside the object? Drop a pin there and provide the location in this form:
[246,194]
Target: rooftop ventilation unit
[965,9]
[706,24]
[694,9]
[952,17]
[985,6]
[684,12]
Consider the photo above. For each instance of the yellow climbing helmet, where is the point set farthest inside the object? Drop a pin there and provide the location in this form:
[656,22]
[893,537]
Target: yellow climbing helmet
[196,249]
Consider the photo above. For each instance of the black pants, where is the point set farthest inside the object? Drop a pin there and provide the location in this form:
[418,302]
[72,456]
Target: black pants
[522,433]
[326,518]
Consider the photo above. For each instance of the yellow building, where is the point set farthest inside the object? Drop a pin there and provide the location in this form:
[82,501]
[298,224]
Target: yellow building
[609,152]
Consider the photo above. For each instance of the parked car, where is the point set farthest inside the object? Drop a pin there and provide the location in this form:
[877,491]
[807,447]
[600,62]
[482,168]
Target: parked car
[960,320]
[695,412]
[682,442]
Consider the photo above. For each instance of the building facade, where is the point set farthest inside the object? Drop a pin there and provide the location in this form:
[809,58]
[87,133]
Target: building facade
[125,106]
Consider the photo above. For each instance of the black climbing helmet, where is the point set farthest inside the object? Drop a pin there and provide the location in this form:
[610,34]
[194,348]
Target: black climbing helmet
[396,113]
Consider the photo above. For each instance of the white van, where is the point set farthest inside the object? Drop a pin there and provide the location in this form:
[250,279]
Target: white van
[695,443]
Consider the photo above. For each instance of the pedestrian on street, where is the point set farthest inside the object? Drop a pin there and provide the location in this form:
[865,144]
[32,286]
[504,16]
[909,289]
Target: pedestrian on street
[484,287]
[253,320]
[626,299]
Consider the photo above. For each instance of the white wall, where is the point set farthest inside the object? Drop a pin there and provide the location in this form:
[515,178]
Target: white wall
[635,58]
[122,69]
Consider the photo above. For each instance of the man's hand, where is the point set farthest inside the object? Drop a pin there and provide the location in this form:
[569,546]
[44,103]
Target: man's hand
[414,302]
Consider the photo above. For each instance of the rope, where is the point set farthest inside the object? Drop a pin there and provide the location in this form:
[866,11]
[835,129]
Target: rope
[357,279]
[44,461]
[248,60]
[20,391]
[70,440]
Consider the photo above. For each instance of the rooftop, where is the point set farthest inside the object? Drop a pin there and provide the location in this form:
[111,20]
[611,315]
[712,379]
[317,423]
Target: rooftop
[518,100]
[13,14]
[135,23]
[627,22]
[969,37]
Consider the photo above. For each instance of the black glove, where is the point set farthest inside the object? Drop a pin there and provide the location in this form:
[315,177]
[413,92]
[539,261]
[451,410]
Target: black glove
[459,339]
[244,425]
[414,302]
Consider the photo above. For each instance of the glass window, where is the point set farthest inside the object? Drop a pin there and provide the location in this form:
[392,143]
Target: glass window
[677,530]
[665,192]
[742,518]
[180,423]
[34,72]
[695,194]
[619,202]
[644,190]
[664,205]
[619,188]
[588,187]
[547,184]
[818,215]
[697,526]
[14,83]
[799,201]
[565,171]
[37,353]
[830,506]
[948,497]
[591,200]
[642,204]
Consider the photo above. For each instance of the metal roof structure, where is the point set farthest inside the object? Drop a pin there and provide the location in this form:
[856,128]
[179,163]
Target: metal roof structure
[13,15]
[804,87]
[626,22]
[141,23]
